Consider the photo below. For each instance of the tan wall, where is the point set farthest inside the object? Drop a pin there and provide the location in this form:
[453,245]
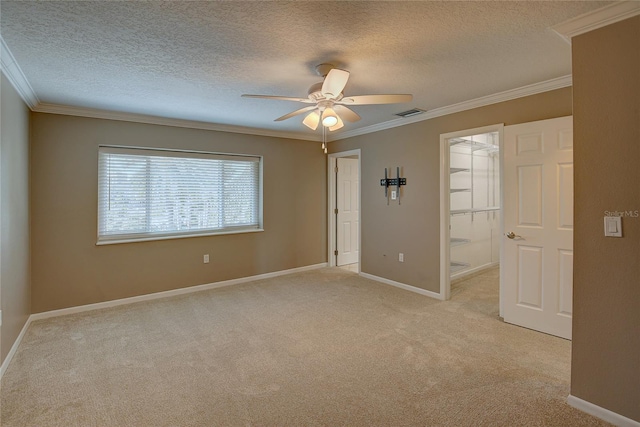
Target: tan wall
[606,324]
[68,269]
[14,216]
[413,228]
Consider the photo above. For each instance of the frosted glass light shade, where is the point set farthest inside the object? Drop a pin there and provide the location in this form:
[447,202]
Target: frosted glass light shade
[312,120]
[338,124]
[329,117]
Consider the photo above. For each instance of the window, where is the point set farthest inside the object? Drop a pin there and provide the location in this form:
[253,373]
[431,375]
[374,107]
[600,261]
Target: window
[148,194]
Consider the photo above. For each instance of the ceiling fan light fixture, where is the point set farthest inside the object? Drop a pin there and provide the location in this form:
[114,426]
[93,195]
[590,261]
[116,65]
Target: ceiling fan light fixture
[329,105]
[329,117]
[312,120]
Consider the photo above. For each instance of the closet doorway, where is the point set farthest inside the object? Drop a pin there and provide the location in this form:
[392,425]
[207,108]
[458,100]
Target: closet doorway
[344,210]
[470,203]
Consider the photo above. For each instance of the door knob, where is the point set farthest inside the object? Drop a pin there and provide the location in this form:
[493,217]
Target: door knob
[513,235]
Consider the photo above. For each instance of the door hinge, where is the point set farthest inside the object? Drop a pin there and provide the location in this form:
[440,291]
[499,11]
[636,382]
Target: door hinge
[335,211]
[336,169]
[335,253]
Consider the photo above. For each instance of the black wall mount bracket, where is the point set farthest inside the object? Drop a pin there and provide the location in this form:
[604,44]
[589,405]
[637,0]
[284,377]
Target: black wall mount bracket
[387,182]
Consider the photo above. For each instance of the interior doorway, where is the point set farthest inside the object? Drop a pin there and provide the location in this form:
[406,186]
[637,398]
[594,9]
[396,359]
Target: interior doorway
[344,235]
[470,203]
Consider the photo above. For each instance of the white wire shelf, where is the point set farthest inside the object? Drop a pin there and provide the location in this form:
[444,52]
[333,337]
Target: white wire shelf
[473,145]
[456,170]
[455,266]
[456,241]
[473,211]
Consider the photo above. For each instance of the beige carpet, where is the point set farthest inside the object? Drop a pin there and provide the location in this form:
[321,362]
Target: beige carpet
[325,347]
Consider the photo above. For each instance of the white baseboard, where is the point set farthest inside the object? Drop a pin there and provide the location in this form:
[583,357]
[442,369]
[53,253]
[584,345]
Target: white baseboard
[148,297]
[465,273]
[603,414]
[14,347]
[171,293]
[403,286]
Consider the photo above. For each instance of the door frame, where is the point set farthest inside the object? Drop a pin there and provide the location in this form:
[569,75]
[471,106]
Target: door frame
[445,254]
[331,204]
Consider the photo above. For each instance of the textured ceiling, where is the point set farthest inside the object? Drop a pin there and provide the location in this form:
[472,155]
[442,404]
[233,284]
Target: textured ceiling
[193,60]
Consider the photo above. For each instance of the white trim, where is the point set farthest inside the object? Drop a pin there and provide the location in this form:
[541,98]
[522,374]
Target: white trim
[473,271]
[501,148]
[445,274]
[171,293]
[445,217]
[165,121]
[331,205]
[532,89]
[14,348]
[402,286]
[602,413]
[16,77]
[174,236]
[598,18]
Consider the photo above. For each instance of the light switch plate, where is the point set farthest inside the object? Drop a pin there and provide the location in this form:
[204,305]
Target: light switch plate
[613,226]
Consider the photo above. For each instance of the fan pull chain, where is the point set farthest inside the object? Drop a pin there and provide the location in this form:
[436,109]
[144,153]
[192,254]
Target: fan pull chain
[324,139]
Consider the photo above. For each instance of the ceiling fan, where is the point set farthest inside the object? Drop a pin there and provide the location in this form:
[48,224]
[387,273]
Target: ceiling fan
[329,103]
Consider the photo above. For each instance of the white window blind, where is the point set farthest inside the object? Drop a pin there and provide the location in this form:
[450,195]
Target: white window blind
[146,194]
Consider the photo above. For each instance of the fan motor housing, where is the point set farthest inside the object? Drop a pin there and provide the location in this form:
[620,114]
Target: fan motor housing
[315,93]
[323,69]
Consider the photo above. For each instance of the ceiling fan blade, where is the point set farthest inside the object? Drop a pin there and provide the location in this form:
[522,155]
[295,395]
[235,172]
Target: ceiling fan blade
[375,99]
[337,125]
[346,113]
[312,120]
[334,83]
[280,98]
[295,113]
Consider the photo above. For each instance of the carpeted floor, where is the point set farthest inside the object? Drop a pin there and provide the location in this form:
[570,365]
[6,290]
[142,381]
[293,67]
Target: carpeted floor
[325,347]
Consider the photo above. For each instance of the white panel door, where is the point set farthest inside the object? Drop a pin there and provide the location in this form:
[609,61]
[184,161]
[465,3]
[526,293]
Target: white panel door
[348,211]
[538,224]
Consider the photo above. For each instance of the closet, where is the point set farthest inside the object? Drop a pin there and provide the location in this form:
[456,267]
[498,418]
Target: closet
[474,203]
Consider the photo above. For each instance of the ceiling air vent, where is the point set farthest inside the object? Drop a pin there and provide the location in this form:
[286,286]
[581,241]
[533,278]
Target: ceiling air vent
[410,113]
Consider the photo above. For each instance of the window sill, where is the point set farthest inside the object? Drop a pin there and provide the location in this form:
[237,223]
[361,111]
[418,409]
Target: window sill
[174,236]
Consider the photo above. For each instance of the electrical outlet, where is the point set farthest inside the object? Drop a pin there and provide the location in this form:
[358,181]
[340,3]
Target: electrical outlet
[401,257]
[206,259]
[394,195]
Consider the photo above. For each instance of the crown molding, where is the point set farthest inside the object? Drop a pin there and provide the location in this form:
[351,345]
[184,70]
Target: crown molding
[164,121]
[598,18]
[589,21]
[16,77]
[532,89]
[508,95]
[10,68]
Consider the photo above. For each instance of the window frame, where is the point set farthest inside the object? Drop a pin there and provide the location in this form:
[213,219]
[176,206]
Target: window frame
[150,236]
